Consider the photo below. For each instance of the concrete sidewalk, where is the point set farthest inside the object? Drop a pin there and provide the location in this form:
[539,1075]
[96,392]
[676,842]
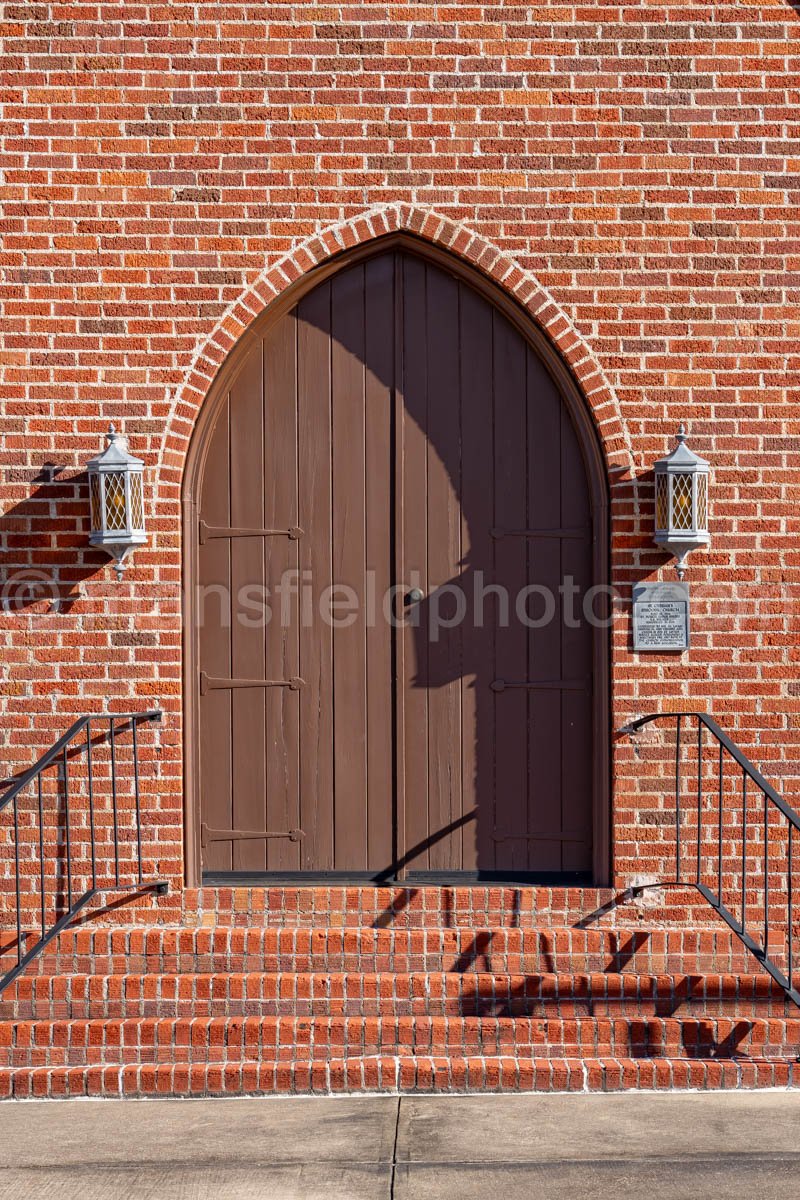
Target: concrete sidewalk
[414,1148]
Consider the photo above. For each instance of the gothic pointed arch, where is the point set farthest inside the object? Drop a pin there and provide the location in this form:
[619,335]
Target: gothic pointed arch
[488,823]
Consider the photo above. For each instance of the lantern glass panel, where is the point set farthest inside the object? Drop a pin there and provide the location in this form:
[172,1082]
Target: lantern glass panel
[137,504]
[702,501]
[662,502]
[116,516]
[95,495]
[681,501]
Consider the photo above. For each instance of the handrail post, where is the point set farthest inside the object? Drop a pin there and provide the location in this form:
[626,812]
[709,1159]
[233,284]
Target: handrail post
[789,887]
[66,824]
[766,877]
[678,800]
[41,849]
[91,798]
[719,826]
[744,848]
[112,744]
[17,882]
[699,795]
[138,808]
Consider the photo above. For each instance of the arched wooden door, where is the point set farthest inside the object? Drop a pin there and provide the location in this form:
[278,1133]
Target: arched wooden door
[395,522]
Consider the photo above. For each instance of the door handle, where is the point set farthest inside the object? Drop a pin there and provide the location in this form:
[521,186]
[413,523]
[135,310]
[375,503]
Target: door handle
[415,595]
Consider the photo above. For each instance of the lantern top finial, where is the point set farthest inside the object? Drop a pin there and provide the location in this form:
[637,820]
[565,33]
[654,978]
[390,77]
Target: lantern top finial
[115,457]
[682,458]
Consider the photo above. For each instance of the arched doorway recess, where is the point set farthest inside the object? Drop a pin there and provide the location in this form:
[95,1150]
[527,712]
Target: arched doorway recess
[395,508]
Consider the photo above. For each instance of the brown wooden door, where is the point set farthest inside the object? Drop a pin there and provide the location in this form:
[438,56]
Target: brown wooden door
[394,431]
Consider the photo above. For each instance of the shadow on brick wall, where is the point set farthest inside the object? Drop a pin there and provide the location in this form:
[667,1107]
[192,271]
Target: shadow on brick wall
[45,544]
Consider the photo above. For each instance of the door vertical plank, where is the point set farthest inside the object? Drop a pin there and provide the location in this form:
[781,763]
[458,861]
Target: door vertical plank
[247,633]
[213,607]
[544,645]
[400,646]
[511,553]
[378,416]
[349,556]
[414,683]
[281,556]
[477,505]
[316,635]
[444,557]
[577,658]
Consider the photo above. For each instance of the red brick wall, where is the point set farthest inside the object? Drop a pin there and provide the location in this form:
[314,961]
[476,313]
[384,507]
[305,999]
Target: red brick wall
[164,167]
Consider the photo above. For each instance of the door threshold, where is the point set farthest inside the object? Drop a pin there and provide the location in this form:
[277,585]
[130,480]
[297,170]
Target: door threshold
[267,879]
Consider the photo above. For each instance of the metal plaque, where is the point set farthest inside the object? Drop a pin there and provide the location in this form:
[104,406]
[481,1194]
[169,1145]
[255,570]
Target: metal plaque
[660,618]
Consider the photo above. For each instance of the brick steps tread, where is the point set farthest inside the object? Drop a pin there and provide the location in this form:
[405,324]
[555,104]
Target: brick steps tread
[422,1073]
[415,905]
[106,1041]
[458,992]
[366,994]
[517,950]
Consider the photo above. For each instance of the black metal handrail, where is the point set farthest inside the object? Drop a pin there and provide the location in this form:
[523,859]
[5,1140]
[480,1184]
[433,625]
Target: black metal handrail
[742,927]
[15,791]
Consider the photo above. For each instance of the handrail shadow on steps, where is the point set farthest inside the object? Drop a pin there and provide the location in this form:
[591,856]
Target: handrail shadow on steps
[58,842]
[764,863]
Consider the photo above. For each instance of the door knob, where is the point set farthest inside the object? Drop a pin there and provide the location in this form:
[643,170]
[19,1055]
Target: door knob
[415,595]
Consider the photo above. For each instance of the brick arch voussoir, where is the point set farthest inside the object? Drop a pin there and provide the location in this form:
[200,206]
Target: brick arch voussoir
[494,263]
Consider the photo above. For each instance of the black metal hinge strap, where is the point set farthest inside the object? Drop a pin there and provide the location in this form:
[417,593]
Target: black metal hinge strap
[209,683]
[208,835]
[208,532]
[552,685]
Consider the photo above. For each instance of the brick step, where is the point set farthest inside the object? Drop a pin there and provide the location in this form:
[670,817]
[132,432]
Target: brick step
[523,950]
[421,1073]
[423,906]
[260,994]
[418,907]
[240,1040]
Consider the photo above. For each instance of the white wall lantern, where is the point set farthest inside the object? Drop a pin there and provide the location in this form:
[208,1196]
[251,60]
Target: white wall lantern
[116,499]
[682,485]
